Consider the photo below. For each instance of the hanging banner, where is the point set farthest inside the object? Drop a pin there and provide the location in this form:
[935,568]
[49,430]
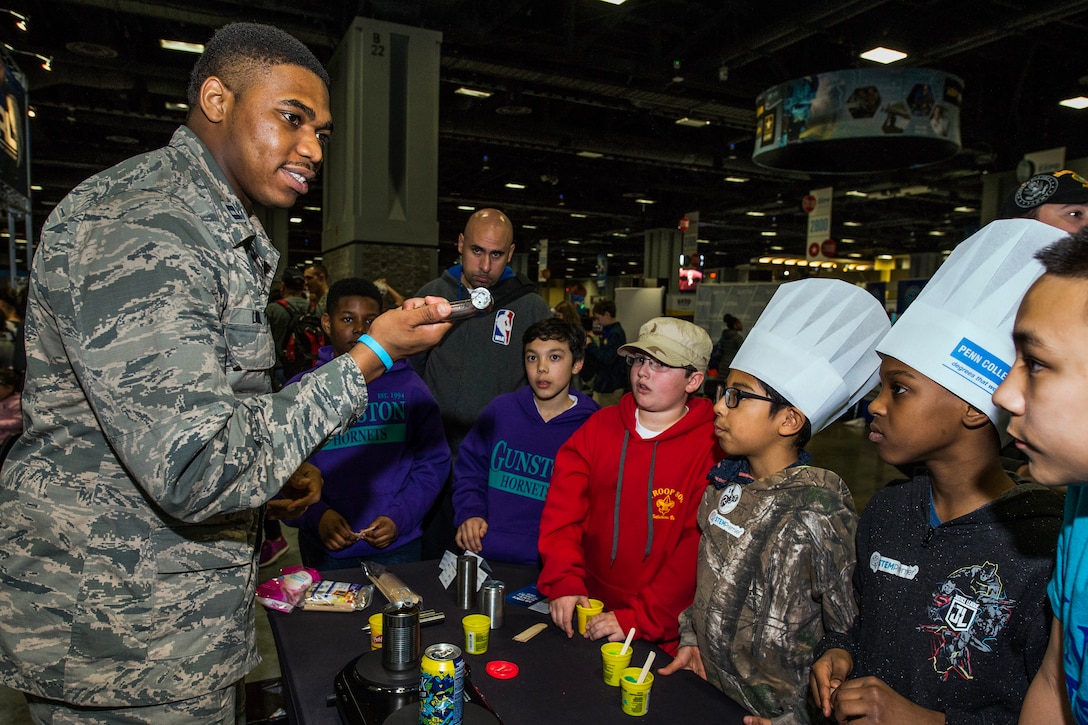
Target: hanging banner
[818,242]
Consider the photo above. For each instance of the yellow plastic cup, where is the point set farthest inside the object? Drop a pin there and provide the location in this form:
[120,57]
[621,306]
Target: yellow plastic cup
[614,662]
[477,630]
[636,697]
[596,606]
[376,631]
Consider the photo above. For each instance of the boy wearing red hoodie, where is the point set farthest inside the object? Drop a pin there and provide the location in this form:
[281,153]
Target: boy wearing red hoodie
[619,521]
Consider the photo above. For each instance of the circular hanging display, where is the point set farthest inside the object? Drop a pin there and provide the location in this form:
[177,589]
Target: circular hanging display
[854,121]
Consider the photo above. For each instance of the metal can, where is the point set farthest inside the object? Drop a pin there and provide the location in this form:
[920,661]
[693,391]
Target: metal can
[493,601]
[466,581]
[400,637]
[442,685]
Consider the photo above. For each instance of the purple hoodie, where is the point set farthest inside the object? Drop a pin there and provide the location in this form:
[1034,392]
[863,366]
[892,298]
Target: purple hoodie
[504,468]
[392,462]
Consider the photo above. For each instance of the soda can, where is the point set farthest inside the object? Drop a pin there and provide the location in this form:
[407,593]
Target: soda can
[442,685]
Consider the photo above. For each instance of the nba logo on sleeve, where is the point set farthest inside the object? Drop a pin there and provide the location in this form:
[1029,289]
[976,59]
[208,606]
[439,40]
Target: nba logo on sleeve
[504,327]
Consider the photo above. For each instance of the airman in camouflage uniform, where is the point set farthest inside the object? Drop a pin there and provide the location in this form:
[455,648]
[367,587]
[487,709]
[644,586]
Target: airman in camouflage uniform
[130,507]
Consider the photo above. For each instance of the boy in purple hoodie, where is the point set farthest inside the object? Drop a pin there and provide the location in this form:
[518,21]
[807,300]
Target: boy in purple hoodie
[382,474]
[504,466]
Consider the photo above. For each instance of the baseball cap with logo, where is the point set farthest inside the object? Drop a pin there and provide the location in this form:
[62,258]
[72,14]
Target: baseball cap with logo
[1059,187]
[674,342]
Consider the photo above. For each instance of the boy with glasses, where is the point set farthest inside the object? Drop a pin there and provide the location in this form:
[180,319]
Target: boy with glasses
[777,547]
[619,518]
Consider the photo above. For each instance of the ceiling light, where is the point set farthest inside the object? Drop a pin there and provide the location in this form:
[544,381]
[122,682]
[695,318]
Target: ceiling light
[775,248]
[777,260]
[828,265]
[528,226]
[633,264]
[803,262]
[572,259]
[295,220]
[466,208]
[311,208]
[880,54]
[790,262]
[855,255]
[181,46]
[590,155]
[32,112]
[615,2]
[472,92]
[175,106]
[755,213]
[851,224]
[764,260]
[768,234]
[965,209]
[574,241]
[884,256]
[645,201]
[576,215]
[512,185]
[736,179]
[20,19]
[855,192]
[846,240]
[692,122]
[936,233]
[1079,103]
[35,187]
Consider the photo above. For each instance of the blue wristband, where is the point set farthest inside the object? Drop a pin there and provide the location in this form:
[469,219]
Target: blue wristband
[377,349]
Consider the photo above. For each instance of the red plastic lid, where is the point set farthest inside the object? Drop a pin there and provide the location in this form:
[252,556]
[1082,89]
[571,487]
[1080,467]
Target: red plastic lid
[501,669]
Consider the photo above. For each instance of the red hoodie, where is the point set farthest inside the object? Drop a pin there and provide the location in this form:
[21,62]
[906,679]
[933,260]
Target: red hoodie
[596,540]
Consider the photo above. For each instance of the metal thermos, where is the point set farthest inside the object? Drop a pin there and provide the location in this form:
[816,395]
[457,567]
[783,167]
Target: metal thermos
[466,582]
[400,637]
[493,601]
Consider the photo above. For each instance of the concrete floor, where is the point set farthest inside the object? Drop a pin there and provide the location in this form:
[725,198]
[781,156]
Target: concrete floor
[842,447]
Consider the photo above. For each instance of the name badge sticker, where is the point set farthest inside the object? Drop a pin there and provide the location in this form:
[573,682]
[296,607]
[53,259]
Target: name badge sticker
[716,519]
[879,563]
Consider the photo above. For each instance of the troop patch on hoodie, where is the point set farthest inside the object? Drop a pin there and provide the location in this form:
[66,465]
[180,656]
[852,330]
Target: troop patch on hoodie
[665,500]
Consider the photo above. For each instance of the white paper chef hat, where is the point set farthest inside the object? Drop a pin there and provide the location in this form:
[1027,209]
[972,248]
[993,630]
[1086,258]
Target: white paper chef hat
[958,332]
[814,345]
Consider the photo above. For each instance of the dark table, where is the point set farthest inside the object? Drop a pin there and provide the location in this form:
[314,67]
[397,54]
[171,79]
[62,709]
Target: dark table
[560,679]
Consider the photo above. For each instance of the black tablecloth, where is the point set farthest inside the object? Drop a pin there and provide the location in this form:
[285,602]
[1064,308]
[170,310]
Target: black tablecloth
[560,679]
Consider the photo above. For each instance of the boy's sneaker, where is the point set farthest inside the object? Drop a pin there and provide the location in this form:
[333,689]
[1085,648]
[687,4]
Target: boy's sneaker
[272,550]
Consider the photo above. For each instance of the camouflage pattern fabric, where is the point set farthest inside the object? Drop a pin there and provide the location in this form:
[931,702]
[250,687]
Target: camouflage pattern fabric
[775,566]
[129,508]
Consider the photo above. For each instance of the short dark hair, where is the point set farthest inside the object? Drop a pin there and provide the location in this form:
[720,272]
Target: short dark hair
[1067,257]
[779,402]
[553,328]
[238,51]
[351,287]
[728,319]
[604,306]
[319,268]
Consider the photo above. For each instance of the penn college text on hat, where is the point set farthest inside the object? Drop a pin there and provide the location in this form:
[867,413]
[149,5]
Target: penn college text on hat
[958,333]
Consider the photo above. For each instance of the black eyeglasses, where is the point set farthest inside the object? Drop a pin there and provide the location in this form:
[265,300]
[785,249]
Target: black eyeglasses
[733,396]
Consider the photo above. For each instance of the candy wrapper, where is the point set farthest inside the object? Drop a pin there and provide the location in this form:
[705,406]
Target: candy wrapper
[283,593]
[330,596]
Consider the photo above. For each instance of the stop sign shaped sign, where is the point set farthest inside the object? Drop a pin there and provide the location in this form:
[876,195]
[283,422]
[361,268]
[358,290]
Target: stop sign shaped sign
[829,248]
[808,203]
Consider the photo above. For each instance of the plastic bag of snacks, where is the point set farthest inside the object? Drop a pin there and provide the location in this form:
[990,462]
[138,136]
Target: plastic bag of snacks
[283,593]
[330,596]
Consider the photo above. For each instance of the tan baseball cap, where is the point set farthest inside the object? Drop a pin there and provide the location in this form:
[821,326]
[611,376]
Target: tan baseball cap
[674,342]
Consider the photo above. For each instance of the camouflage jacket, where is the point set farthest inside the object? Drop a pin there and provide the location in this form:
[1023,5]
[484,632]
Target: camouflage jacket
[129,508]
[775,562]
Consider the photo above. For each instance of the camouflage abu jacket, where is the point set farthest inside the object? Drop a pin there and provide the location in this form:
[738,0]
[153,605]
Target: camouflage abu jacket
[775,565]
[128,509]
